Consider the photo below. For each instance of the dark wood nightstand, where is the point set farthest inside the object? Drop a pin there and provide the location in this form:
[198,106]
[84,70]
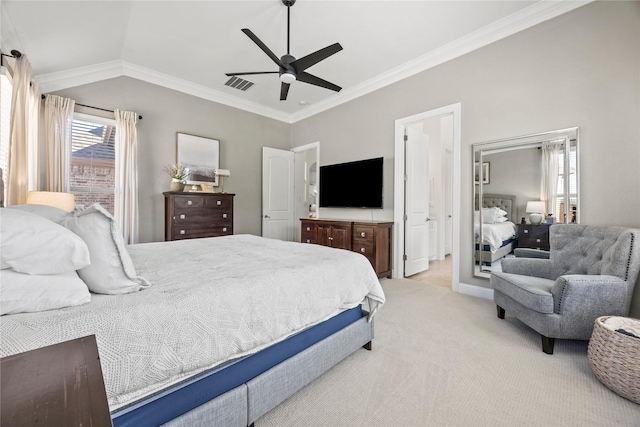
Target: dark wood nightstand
[535,236]
[57,385]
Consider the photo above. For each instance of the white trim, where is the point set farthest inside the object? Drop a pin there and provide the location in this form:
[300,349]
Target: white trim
[514,23]
[398,197]
[476,291]
[308,147]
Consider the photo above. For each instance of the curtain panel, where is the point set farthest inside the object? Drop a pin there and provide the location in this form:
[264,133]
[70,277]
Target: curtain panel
[58,115]
[550,170]
[23,134]
[126,185]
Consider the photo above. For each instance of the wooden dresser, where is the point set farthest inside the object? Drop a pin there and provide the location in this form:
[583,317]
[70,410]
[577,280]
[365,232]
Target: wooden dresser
[195,215]
[370,238]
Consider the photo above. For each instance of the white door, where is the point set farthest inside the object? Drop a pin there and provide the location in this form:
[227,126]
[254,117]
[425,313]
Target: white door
[447,177]
[416,241]
[277,193]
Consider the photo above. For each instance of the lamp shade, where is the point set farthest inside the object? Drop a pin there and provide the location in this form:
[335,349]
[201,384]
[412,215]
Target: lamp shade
[64,201]
[536,206]
[223,172]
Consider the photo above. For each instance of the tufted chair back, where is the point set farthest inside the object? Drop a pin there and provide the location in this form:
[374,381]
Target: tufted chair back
[588,249]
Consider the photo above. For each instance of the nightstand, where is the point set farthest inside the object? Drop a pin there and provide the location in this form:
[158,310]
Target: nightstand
[535,236]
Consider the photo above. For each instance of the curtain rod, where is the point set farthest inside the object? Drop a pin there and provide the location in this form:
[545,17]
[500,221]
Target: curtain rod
[95,108]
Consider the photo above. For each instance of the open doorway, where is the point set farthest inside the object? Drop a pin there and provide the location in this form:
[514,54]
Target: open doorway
[426,201]
[306,183]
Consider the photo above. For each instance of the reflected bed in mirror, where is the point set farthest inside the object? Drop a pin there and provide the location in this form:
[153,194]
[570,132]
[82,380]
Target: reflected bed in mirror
[540,167]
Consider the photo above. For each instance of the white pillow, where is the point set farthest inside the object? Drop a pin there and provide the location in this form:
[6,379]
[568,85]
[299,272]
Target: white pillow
[50,212]
[493,215]
[32,244]
[22,293]
[111,270]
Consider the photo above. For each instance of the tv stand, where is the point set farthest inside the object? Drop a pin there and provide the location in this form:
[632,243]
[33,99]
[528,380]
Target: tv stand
[370,238]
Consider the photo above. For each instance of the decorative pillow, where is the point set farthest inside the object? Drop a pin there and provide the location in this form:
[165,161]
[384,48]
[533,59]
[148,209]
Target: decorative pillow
[111,270]
[33,244]
[492,215]
[23,293]
[52,213]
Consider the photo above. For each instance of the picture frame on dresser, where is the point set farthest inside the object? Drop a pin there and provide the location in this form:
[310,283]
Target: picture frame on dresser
[201,155]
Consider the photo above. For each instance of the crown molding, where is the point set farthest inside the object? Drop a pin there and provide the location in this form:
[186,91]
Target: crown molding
[108,70]
[512,24]
[519,21]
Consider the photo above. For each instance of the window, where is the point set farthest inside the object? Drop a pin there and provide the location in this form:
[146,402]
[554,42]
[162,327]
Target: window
[92,166]
[5,114]
[567,212]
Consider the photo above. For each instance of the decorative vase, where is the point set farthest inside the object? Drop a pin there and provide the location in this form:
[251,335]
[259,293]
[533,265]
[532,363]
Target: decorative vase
[176,185]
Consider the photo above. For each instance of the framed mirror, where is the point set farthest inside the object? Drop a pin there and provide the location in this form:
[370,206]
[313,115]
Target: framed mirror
[522,185]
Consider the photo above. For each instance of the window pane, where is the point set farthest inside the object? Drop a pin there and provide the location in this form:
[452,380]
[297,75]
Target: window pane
[92,164]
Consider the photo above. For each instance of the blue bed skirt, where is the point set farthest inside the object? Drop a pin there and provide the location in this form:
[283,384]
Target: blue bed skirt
[181,398]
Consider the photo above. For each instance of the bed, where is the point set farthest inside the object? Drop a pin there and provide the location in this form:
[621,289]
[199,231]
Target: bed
[498,238]
[214,331]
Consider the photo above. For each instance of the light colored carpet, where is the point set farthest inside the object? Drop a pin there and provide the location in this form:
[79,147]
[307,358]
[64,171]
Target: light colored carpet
[444,359]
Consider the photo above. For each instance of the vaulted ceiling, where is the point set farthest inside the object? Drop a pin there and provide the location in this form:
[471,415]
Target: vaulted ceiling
[190,45]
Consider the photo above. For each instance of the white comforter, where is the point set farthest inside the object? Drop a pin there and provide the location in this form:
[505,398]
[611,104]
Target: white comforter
[494,234]
[211,300]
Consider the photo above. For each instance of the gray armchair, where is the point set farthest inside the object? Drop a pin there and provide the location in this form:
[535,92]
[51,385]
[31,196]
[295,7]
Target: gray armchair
[591,272]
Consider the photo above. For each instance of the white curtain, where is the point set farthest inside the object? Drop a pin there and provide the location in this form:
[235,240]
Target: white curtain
[23,134]
[58,115]
[126,186]
[550,171]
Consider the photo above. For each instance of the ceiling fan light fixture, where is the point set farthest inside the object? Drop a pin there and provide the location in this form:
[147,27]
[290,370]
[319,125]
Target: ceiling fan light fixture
[287,78]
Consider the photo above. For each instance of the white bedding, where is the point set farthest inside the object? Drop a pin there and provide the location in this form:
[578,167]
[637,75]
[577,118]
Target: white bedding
[211,300]
[494,234]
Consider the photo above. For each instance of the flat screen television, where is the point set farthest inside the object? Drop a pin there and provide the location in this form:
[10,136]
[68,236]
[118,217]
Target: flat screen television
[352,185]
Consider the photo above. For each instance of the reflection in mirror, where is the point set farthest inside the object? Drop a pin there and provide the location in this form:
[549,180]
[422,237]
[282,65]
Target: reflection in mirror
[522,185]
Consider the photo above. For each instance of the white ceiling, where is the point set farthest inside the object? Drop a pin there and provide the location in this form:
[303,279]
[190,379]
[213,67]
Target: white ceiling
[190,45]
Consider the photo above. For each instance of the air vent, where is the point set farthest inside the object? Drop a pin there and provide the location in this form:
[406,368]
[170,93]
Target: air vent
[238,83]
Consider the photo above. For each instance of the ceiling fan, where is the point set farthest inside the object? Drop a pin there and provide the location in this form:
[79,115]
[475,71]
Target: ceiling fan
[292,69]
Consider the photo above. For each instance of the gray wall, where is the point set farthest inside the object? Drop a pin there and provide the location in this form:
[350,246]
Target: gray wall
[515,172]
[579,69]
[166,112]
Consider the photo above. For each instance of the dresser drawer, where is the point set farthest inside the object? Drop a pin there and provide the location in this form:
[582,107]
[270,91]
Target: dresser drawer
[200,216]
[308,233]
[363,233]
[188,202]
[363,247]
[191,232]
[221,202]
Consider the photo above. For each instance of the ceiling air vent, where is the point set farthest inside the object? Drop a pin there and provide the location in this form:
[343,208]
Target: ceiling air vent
[238,83]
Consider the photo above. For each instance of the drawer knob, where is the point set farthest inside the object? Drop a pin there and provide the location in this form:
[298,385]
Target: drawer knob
[224,215]
[363,234]
[538,240]
[189,202]
[181,231]
[308,228]
[308,241]
[183,216]
[526,231]
[362,250]
[218,202]
[224,229]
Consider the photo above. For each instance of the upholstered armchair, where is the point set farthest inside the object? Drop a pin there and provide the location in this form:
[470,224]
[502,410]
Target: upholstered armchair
[591,272]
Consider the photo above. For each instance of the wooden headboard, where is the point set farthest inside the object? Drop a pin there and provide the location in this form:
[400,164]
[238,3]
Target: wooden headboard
[507,202]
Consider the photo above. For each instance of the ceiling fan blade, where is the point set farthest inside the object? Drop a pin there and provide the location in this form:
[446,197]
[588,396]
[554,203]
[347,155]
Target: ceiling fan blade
[263,46]
[315,57]
[284,91]
[317,81]
[256,72]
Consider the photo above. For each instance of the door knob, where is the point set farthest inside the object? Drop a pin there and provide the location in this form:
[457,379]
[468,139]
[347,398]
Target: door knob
[267,216]
[428,219]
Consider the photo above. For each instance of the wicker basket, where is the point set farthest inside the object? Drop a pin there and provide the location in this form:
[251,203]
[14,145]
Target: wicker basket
[615,359]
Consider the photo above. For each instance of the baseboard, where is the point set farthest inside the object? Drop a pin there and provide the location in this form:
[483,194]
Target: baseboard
[475,291]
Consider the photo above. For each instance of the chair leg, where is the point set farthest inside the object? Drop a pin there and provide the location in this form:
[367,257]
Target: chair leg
[500,312]
[547,344]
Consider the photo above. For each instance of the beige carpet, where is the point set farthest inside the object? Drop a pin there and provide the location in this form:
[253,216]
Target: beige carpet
[445,359]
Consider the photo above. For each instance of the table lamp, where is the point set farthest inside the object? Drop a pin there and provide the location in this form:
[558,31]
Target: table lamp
[64,201]
[535,209]
[222,173]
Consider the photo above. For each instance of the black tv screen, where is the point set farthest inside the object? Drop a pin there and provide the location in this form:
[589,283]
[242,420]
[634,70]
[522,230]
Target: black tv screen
[352,185]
